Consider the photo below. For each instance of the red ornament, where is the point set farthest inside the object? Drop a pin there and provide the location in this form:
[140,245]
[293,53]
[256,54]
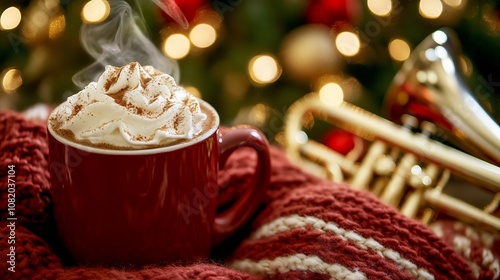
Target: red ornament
[188,7]
[335,13]
[340,141]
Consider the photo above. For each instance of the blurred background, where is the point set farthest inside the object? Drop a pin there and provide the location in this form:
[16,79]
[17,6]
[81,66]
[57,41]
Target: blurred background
[252,59]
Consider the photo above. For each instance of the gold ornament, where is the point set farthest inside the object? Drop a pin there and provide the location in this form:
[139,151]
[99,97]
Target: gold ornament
[309,52]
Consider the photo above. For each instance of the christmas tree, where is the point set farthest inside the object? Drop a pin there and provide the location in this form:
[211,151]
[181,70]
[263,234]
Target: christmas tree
[251,59]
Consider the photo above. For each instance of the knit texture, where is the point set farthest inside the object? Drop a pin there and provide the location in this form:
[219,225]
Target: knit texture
[481,249]
[307,228]
[24,145]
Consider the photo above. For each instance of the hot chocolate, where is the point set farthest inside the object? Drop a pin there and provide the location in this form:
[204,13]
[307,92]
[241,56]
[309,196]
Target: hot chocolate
[132,107]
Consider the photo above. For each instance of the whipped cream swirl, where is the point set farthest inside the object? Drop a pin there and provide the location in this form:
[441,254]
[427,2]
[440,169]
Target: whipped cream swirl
[131,107]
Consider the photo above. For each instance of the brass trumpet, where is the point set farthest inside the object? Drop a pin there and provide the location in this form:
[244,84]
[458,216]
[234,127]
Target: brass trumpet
[431,87]
[401,164]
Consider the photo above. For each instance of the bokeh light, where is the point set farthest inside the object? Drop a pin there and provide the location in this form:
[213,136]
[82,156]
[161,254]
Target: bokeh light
[331,94]
[399,49]
[203,35]
[11,80]
[380,7]
[264,69]
[431,8]
[348,43]
[454,3]
[176,46]
[95,11]
[57,26]
[10,18]
[308,52]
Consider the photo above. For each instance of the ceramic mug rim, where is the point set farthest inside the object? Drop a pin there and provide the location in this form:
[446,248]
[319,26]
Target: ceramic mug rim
[197,139]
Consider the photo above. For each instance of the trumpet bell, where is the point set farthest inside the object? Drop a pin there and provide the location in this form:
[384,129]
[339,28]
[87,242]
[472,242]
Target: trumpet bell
[431,87]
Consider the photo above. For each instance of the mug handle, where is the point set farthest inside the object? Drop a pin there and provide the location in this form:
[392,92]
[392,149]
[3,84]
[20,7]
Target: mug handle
[238,214]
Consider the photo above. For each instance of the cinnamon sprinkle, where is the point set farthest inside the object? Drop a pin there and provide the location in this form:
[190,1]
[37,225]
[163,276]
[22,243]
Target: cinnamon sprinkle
[145,81]
[76,109]
[119,96]
[112,80]
[177,122]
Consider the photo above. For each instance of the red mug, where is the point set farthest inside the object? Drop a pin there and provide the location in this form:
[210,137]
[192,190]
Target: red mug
[137,207]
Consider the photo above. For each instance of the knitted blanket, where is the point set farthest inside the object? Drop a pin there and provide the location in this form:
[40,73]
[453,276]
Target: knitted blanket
[307,228]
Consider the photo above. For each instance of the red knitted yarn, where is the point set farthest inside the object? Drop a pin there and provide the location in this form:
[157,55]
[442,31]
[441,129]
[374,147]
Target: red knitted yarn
[32,254]
[35,260]
[24,145]
[308,228]
[196,271]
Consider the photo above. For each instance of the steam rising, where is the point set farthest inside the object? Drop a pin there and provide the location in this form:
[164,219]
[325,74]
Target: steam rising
[172,10]
[119,41]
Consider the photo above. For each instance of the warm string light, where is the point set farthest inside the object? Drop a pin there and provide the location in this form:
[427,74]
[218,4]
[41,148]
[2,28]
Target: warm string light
[348,43]
[10,18]
[334,89]
[331,94]
[178,45]
[381,8]
[264,69]
[42,20]
[11,80]
[203,35]
[95,11]
[57,26]
[399,49]
[454,3]
[442,9]
[431,9]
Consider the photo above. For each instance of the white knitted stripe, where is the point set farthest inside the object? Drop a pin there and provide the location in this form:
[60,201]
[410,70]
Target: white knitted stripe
[437,228]
[462,244]
[288,223]
[486,238]
[491,262]
[297,262]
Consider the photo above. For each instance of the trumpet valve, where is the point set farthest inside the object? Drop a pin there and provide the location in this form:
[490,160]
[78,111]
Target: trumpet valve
[419,178]
[384,165]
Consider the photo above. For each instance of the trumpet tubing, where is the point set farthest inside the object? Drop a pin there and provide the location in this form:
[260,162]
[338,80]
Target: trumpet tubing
[406,169]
